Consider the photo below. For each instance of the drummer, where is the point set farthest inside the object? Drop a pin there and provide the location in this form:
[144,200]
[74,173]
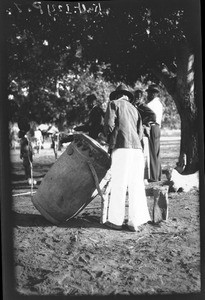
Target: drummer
[124,131]
[95,123]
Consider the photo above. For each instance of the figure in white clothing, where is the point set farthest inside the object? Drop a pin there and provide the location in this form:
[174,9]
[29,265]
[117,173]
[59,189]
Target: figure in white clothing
[38,139]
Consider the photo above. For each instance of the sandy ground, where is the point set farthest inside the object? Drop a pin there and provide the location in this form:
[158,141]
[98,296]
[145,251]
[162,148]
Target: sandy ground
[83,257]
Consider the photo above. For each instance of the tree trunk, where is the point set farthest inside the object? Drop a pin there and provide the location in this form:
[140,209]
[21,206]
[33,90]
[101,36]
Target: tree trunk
[181,88]
[189,143]
[187,108]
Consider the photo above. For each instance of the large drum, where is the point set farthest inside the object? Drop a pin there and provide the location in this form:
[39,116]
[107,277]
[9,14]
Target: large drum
[70,184]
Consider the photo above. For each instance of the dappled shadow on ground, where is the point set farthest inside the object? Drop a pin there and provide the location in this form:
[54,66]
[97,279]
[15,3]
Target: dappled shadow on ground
[19,182]
[84,221]
[21,177]
[18,167]
[23,185]
[83,257]
[36,220]
[42,168]
[30,220]
[17,177]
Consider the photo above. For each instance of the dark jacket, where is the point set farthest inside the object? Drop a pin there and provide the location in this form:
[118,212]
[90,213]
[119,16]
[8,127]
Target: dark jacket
[123,125]
[146,113]
[96,121]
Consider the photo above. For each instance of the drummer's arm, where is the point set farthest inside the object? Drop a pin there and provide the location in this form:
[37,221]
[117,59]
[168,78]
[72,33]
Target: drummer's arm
[83,128]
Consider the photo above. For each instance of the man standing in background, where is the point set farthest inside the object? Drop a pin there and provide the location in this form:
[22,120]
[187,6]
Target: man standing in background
[145,111]
[154,103]
[148,117]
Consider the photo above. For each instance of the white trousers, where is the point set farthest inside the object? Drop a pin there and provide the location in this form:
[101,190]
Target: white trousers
[127,171]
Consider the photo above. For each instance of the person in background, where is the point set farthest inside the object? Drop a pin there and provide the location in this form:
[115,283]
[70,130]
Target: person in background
[26,149]
[26,154]
[95,123]
[154,103]
[38,140]
[123,129]
[44,128]
[148,117]
[147,114]
[53,132]
[13,135]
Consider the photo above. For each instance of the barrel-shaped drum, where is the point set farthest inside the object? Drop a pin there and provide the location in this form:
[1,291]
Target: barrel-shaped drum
[69,185]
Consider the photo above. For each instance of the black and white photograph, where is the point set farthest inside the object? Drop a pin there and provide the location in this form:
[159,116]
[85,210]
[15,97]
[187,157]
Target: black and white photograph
[102,149]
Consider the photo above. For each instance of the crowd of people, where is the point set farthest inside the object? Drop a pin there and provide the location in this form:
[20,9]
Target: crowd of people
[150,110]
[127,122]
[130,126]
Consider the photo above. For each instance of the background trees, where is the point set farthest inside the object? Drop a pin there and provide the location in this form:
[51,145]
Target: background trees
[58,53]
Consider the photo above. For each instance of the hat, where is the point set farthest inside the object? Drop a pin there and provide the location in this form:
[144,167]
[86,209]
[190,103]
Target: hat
[137,95]
[138,92]
[121,89]
[152,88]
[91,98]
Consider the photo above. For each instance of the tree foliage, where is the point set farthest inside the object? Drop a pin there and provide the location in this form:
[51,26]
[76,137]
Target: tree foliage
[59,52]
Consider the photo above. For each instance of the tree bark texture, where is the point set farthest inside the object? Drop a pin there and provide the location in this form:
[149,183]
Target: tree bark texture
[181,88]
[187,108]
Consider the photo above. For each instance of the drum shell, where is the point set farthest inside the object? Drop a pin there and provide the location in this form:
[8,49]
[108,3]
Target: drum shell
[69,185]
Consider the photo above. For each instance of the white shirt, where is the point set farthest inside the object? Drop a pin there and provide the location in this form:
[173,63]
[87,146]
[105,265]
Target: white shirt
[157,108]
[38,135]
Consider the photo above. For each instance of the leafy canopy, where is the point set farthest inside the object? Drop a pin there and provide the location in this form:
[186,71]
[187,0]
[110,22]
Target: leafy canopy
[54,47]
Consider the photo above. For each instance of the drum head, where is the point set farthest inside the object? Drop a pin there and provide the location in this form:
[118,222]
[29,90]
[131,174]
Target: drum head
[83,142]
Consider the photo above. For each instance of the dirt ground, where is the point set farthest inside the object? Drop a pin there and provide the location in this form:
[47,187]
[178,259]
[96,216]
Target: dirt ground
[83,257]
